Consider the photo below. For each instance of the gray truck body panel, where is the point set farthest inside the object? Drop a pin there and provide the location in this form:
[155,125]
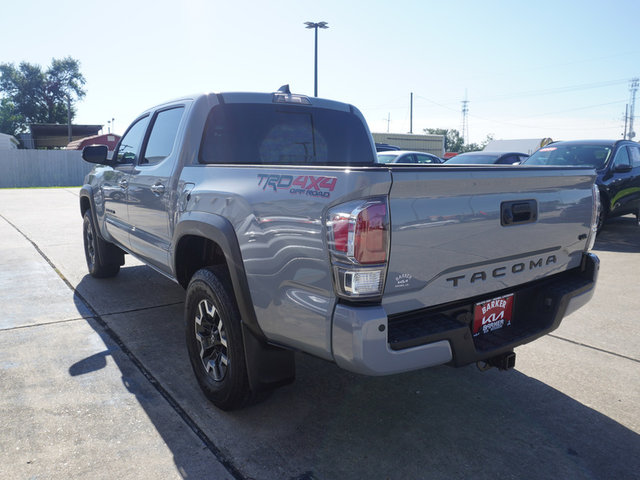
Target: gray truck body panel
[447,242]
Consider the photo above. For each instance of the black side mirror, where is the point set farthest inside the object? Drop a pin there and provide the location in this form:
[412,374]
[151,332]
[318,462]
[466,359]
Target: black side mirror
[96,154]
[622,168]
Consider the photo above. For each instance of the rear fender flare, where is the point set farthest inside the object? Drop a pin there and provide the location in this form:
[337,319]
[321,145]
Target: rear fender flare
[268,366]
[86,194]
[220,231]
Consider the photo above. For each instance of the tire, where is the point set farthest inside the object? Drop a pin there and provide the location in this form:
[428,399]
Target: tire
[214,340]
[103,258]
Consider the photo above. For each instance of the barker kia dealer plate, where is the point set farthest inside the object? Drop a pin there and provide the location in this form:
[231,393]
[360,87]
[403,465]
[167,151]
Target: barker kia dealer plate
[492,314]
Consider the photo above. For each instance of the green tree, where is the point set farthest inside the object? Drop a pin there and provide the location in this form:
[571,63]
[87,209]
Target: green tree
[454,141]
[31,95]
[9,119]
[474,147]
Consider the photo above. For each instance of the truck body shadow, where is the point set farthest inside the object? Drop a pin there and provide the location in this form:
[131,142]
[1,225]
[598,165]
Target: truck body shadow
[435,423]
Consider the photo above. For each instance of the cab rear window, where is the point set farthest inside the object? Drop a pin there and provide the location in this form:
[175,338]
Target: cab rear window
[272,134]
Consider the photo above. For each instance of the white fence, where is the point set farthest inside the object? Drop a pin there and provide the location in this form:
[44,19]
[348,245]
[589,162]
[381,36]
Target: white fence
[42,168]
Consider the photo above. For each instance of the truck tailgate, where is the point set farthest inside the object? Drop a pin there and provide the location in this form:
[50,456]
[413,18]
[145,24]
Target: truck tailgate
[465,232]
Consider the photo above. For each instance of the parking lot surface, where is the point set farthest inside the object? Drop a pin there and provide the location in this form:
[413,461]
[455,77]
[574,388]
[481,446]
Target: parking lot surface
[96,383]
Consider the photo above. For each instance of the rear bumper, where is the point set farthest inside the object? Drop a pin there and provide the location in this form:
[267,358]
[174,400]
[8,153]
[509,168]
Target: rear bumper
[367,341]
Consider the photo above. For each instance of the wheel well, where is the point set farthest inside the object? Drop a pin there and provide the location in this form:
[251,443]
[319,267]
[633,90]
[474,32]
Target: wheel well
[604,201]
[194,253]
[84,205]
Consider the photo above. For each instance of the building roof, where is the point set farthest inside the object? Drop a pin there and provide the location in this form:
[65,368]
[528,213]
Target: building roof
[108,139]
[53,135]
[526,145]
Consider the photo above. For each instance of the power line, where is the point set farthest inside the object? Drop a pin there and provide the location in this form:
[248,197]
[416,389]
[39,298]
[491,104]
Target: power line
[533,93]
[555,90]
[535,126]
[436,103]
[587,107]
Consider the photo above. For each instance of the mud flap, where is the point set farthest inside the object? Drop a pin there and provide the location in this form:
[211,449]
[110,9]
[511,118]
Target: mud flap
[268,367]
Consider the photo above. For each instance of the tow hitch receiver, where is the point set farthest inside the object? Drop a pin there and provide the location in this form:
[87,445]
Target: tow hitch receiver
[504,361]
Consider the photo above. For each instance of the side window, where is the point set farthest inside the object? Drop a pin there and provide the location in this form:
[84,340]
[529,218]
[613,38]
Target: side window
[424,159]
[509,160]
[130,144]
[410,158]
[163,136]
[622,157]
[635,155]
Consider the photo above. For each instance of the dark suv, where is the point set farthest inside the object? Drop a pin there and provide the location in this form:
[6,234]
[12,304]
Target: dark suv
[617,164]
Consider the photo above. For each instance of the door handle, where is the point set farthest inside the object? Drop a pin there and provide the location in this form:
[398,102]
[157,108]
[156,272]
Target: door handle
[123,183]
[518,212]
[157,189]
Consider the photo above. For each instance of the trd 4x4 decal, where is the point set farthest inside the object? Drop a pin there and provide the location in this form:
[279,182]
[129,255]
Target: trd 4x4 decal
[319,186]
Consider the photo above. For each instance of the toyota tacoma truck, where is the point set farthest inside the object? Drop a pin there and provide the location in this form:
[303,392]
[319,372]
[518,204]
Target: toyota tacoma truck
[271,211]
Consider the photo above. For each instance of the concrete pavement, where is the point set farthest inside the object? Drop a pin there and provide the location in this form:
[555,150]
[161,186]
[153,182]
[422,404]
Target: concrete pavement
[570,409]
[73,404]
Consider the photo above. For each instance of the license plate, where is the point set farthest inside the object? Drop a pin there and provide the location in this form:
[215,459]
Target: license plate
[492,314]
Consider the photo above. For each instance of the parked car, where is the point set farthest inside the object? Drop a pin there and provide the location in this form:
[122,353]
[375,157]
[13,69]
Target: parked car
[617,164]
[385,147]
[406,156]
[487,158]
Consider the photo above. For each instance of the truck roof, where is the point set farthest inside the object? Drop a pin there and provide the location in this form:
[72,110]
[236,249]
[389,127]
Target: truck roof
[260,97]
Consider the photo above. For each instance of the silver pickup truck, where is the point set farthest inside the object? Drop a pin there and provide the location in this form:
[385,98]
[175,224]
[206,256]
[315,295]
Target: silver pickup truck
[271,211]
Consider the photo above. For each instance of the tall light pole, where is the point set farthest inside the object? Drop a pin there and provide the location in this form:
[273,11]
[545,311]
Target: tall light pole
[316,26]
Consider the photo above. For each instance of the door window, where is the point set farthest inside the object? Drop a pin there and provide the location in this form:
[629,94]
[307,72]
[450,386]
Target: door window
[635,155]
[409,158]
[622,157]
[129,146]
[163,136]
[509,160]
[425,159]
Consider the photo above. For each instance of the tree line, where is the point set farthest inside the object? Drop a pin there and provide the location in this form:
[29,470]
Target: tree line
[454,142]
[31,94]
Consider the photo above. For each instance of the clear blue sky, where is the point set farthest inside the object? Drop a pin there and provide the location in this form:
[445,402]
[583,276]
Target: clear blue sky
[557,69]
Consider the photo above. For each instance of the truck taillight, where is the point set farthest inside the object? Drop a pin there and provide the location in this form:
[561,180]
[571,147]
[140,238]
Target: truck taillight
[358,239]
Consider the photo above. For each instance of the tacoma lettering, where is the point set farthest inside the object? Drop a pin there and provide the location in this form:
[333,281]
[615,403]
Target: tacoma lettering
[481,275]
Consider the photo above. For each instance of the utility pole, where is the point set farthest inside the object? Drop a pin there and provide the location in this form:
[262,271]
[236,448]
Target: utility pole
[465,124]
[69,118]
[411,114]
[633,88]
[626,117]
[388,121]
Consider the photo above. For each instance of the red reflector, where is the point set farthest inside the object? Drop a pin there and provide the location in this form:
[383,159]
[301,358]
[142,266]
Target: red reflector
[340,227]
[370,236]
